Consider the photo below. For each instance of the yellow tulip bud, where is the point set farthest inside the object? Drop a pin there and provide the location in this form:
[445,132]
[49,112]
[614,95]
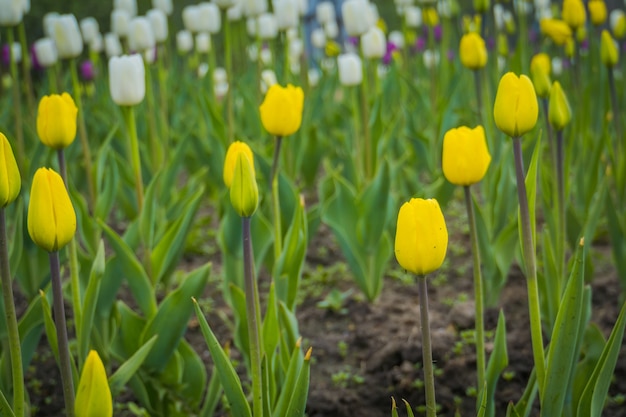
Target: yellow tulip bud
[573,13]
[430,16]
[93,397]
[281,110]
[570,48]
[233,151]
[481,6]
[244,192]
[51,216]
[540,68]
[557,30]
[465,156]
[618,23]
[608,50]
[56,120]
[515,109]
[559,111]
[503,45]
[421,236]
[10,180]
[473,51]
[597,12]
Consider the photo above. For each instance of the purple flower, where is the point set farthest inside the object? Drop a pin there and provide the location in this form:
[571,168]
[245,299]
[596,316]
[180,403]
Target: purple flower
[388,57]
[6,55]
[34,60]
[420,44]
[584,45]
[353,40]
[450,54]
[533,35]
[87,70]
[437,31]
[567,64]
[491,43]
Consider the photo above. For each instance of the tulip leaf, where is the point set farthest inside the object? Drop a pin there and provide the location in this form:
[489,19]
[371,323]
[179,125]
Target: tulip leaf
[5,408]
[372,210]
[228,377]
[498,361]
[170,321]
[147,216]
[531,192]
[107,178]
[242,339]
[289,383]
[270,330]
[591,350]
[127,370]
[297,404]
[409,410]
[194,374]
[90,301]
[394,408]
[51,332]
[213,394]
[131,324]
[16,244]
[617,232]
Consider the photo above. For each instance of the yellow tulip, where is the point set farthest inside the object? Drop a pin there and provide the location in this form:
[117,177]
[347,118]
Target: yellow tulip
[430,16]
[56,120]
[244,192]
[10,180]
[281,110]
[515,109]
[618,24]
[573,13]
[570,48]
[332,49]
[51,216]
[559,111]
[465,155]
[608,50]
[421,236]
[557,30]
[597,12]
[540,69]
[233,151]
[481,6]
[93,397]
[473,51]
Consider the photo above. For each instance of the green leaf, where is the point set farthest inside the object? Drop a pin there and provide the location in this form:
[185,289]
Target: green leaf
[289,383]
[51,330]
[531,192]
[127,370]
[271,331]
[498,361]
[90,302]
[297,404]
[591,351]
[194,374]
[147,215]
[213,394]
[170,321]
[372,210]
[228,377]
[16,244]
[5,408]
[409,410]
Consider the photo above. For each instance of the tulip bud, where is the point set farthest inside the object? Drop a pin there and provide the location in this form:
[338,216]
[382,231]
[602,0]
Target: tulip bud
[331,30]
[48,24]
[56,120]
[184,41]
[97,43]
[481,6]
[11,12]
[313,77]
[609,53]
[473,51]
[540,69]
[140,36]
[559,111]
[210,19]
[230,160]
[267,26]
[350,69]
[244,192]
[431,58]
[129,6]
[373,43]
[67,36]
[325,12]
[318,38]
[234,13]
[421,236]
[120,20]
[165,6]
[286,13]
[224,4]
[618,23]
[597,12]
[515,109]
[557,66]
[430,16]
[46,52]
[51,216]
[203,43]
[112,45]
[268,79]
[126,79]
[557,30]
[354,19]
[10,180]
[190,18]
[397,39]
[93,397]
[573,13]
[465,157]
[158,21]
[413,16]
[254,7]
[89,28]
[220,76]
[281,110]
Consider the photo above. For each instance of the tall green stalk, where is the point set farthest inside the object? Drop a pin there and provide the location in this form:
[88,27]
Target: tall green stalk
[26,64]
[615,105]
[155,143]
[162,75]
[427,354]
[479,94]
[52,79]
[15,348]
[228,56]
[531,267]
[278,235]
[478,292]
[131,128]
[17,105]
[61,327]
[561,237]
[253,312]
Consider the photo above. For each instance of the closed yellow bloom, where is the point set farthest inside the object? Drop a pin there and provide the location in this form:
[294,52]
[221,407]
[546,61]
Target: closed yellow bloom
[93,397]
[597,12]
[235,149]
[51,216]
[481,6]
[430,16]
[570,48]
[244,192]
[281,110]
[10,180]
[608,49]
[515,109]
[421,236]
[559,111]
[332,48]
[56,120]
[465,156]
[473,51]
[540,69]
[557,30]
[573,13]
[618,24]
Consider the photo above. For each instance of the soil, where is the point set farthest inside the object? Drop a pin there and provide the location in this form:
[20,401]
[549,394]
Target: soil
[366,353]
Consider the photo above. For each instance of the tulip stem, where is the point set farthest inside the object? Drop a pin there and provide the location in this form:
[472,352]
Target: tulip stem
[278,235]
[253,311]
[155,143]
[478,292]
[131,127]
[26,65]
[17,104]
[615,105]
[73,254]
[61,327]
[82,133]
[528,249]
[369,152]
[427,354]
[52,79]
[162,76]
[479,95]
[15,347]
[228,62]
[560,180]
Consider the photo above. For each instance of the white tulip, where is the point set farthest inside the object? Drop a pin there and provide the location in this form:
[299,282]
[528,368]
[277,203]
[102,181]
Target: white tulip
[203,43]
[158,21]
[16,52]
[46,52]
[254,7]
[266,56]
[234,13]
[331,29]
[413,16]
[11,12]
[140,35]
[373,43]
[498,16]
[397,38]
[220,75]
[127,79]
[48,24]
[224,4]
[209,18]
[615,17]
[267,26]
[372,14]
[251,26]
[431,58]
[149,55]
[129,5]
[203,70]
[302,7]
[354,17]
[191,19]
[120,20]
[557,66]
[294,67]
[350,69]
[444,8]
[89,28]
[26,4]
[165,6]
[502,63]
[220,89]
[268,79]
[67,36]
[296,48]
[325,12]
[184,41]
[286,13]
[96,44]
[318,38]
[112,45]
[253,52]
[313,76]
